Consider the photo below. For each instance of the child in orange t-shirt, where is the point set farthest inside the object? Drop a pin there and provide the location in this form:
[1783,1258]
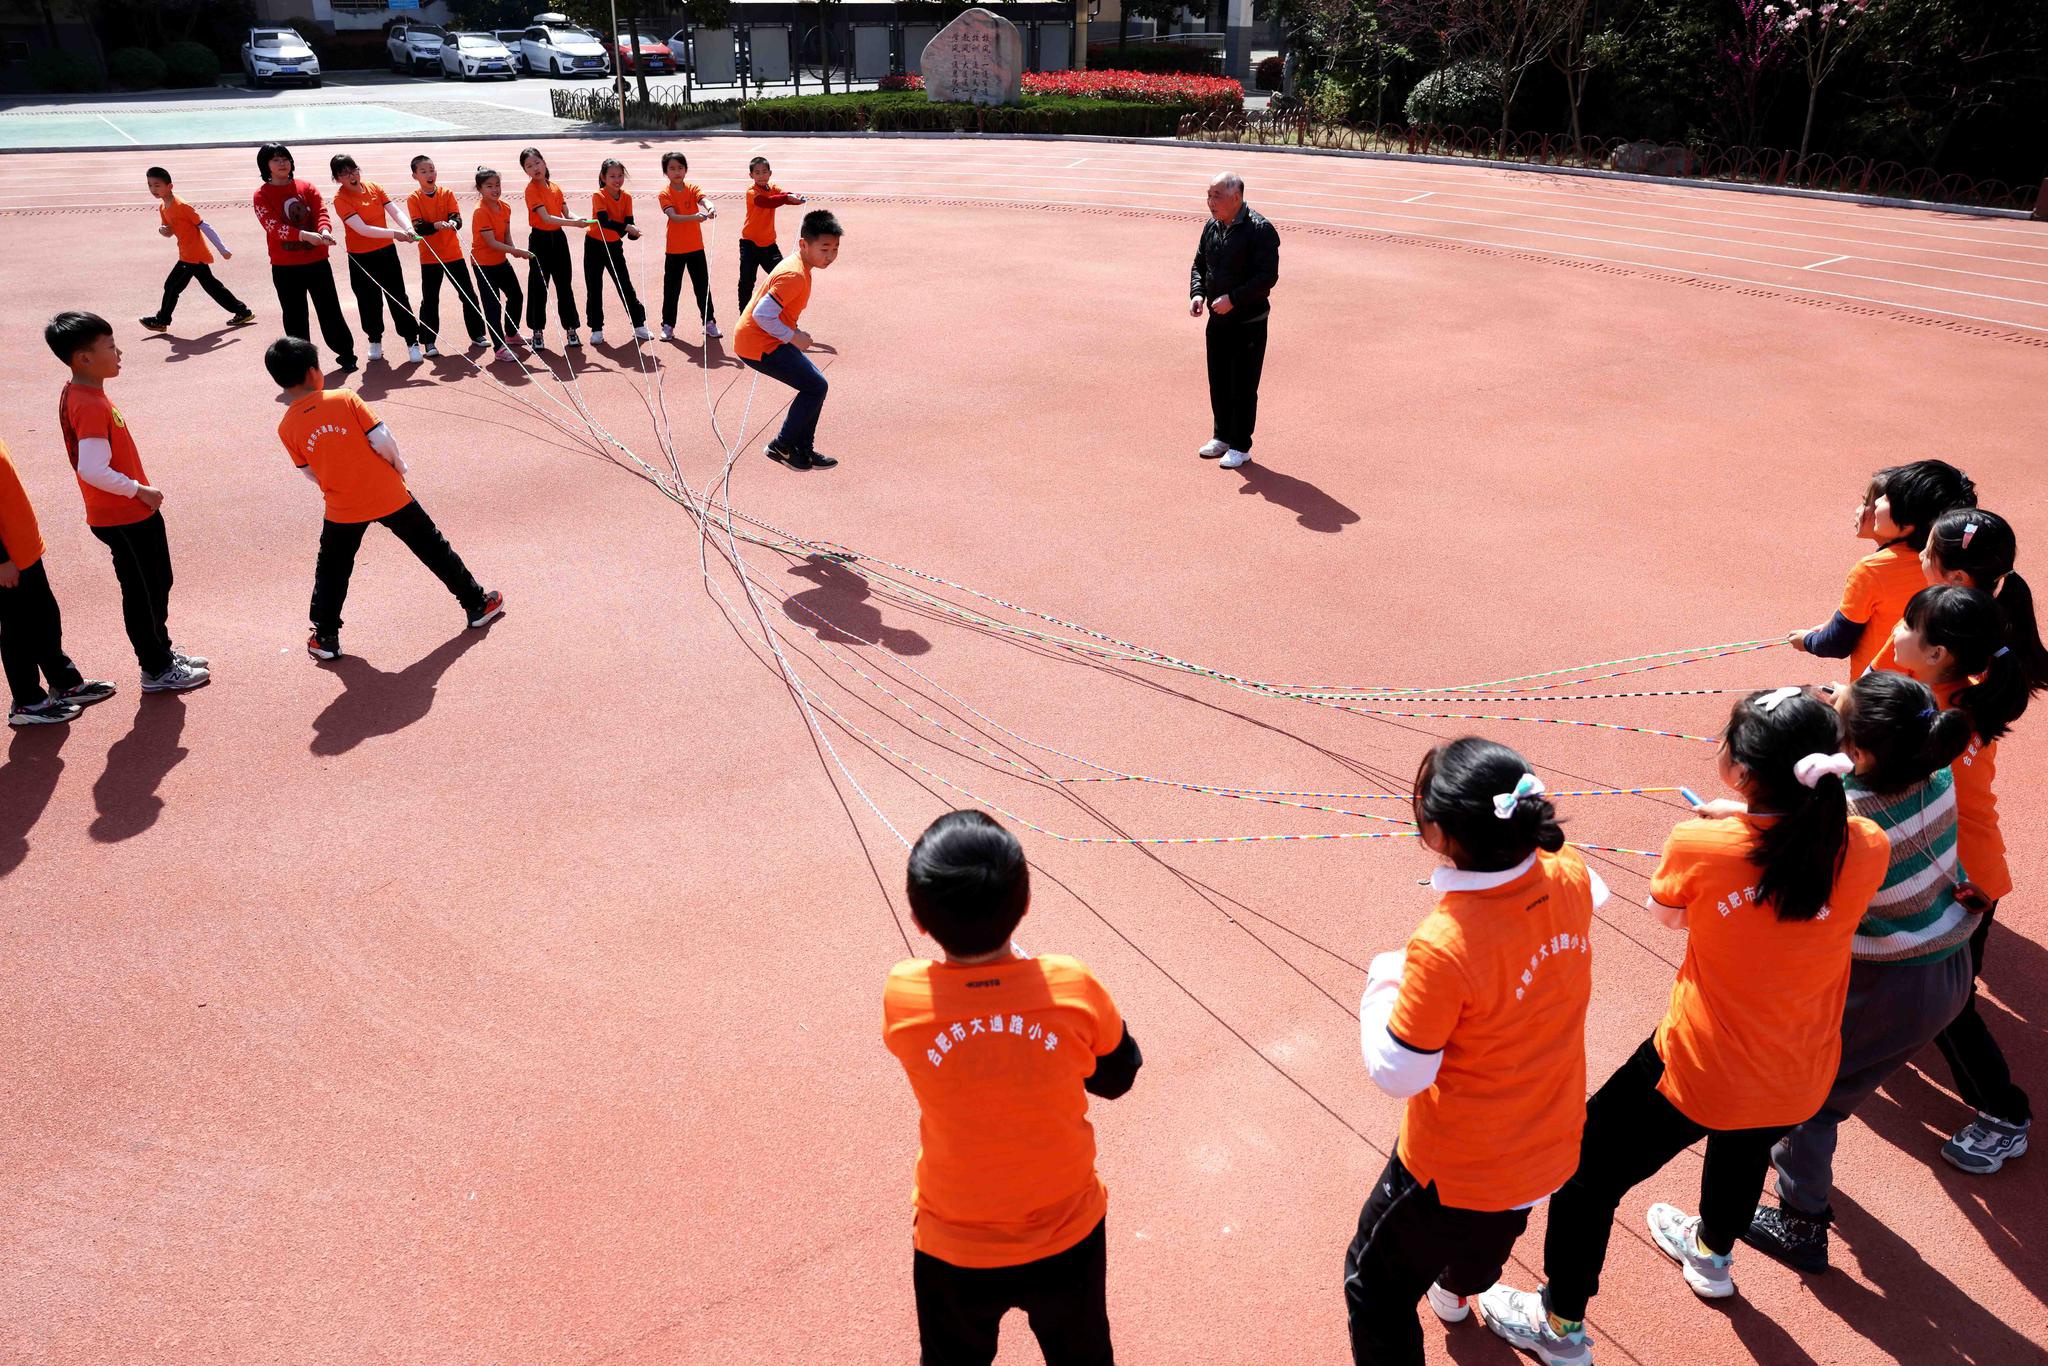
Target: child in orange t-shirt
[180,220]
[611,217]
[490,242]
[1481,1026]
[121,506]
[1899,505]
[687,211]
[31,629]
[758,251]
[769,340]
[344,449]
[1770,890]
[438,223]
[374,273]
[1002,1050]
[547,216]
[1983,656]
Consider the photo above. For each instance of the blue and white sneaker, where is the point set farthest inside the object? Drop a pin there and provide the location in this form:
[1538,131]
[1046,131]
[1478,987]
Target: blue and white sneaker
[1677,1235]
[1985,1144]
[1521,1319]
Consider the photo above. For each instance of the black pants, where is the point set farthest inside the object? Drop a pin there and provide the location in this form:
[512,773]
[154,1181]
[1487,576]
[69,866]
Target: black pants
[550,263]
[142,563]
[753,258]
[1631,1133]
[673,266]
[457,274]
[339,542]
[602,261]
[32,639]
[184,273]
[313,281]
[1066,1297]
[1408,1238]
[376,277]
[1982,1078]
[1237,357]
[498,287]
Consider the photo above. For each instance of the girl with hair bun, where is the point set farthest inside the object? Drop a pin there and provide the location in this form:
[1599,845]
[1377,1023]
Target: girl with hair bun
[1770,889]
[1481,1025]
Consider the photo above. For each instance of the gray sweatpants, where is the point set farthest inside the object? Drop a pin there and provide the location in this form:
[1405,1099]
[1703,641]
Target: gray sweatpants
[1892,1013]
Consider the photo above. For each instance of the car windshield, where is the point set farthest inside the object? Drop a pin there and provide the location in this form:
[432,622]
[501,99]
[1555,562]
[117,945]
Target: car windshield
[564,36]
[273,37]
[426,30]
[477,40]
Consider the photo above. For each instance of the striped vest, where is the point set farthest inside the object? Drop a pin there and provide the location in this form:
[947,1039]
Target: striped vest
[1914,918]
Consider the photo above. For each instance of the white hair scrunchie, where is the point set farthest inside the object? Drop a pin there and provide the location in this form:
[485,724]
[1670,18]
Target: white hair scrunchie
[1504,804]
[1771,701]
[1814,767]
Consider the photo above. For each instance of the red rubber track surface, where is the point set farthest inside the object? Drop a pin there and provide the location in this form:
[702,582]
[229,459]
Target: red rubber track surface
[513,996]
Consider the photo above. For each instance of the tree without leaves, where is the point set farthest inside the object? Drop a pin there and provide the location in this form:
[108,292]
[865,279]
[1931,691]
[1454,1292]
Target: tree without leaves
[1582,47]
[1511,36]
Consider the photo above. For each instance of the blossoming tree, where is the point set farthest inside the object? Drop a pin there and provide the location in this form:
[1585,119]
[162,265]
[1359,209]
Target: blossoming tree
[1820,34]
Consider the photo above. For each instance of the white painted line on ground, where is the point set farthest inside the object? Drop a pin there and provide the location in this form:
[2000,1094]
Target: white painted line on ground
[1424,195]
[1075,162]
[1832,259]
[118,128]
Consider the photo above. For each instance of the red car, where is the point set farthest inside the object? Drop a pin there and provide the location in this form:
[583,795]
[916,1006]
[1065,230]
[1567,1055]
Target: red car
[653,51]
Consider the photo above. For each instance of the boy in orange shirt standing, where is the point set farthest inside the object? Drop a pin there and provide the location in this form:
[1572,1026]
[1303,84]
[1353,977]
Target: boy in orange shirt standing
[31,629]
[195,262]
[1010,1211]
[342,447]
[770,341]
[121,507]
[687,211]
[436,219]
[757,231]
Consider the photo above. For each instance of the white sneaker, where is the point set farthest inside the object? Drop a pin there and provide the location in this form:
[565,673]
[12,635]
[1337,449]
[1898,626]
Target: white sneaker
[1985,1144]
[506,353]
[667,333]
[642,334]
[537,342]
[177,678]
[1678,1237]
[1450,1308]
[596,337]
[432,351]
[576,341]
[376,350]
[711,331]
[1232,459]
[1213,450]
[1519,1318]
[479,343]
[415,353]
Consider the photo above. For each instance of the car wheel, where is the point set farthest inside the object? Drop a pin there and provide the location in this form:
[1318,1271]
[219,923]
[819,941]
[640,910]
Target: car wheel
[314,83]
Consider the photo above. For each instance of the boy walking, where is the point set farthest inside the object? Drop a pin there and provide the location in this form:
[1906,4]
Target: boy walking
[195,262]
[31,629]
[769,340]
[121,506]
[1002,1050]
[343,448]
[757,230]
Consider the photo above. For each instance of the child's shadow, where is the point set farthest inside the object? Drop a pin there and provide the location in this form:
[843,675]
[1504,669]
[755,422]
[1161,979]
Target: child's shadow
[137,763]
[373,702]
[1311,507]
[838,610]
[185,348]
[28,779]
[709,355]
[381,380]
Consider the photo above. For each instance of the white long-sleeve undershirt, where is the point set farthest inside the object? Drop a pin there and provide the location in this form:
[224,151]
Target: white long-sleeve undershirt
[96,467]
[214,238]
[768,313]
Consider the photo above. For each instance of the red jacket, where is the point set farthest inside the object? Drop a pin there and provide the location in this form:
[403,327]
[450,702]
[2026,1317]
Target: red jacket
[285,211]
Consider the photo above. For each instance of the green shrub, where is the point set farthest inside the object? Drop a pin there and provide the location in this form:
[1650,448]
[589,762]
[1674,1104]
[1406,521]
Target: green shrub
[1183,57]
[911,111]
[599,105]
[187,65]
[59,72]
[1463,94]
[136,68]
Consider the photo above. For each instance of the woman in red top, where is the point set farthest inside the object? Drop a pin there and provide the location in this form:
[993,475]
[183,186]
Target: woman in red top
[296,230]
[611,217]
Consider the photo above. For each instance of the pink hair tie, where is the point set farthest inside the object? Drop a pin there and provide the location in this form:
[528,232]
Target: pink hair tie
[1969,530]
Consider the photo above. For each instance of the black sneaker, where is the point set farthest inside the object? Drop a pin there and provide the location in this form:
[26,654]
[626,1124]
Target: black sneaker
[786,455]
[1798,1240]
[242,319]
[89,691]
[153,325]
[820,462]
[323,647]
[48,712]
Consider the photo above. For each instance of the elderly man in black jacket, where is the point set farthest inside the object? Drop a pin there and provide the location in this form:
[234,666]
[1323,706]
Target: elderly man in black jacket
[1237,264]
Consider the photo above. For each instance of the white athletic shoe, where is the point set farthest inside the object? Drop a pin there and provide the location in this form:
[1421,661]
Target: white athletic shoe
[667,333]
[538,342]
[642,334]
[432,351]
[711,332]
[376,350]
[1213,450]
[1677,1237]
[415,353]
[1232,459]
[576,341]
[479,343]
[506,353]
[1450,1308]
[596,337]
[1519,1318]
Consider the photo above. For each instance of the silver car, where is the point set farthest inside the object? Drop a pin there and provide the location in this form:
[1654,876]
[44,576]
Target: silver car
[272,56]
[468,56]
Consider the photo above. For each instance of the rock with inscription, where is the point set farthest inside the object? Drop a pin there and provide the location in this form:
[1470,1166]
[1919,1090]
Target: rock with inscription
[976,59]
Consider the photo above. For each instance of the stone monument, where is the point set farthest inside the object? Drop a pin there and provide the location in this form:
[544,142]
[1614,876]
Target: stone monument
[976,59]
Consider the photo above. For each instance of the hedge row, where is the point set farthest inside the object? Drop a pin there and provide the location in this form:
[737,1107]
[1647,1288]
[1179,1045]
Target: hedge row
[910,111]
[600,106]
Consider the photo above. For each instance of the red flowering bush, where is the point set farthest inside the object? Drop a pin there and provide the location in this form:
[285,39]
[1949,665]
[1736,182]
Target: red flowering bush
[1204,94]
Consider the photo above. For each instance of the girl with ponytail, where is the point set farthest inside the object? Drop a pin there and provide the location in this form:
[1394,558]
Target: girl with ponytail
[1481,1024]
[1770,889]
[1911,971]
[1962,644]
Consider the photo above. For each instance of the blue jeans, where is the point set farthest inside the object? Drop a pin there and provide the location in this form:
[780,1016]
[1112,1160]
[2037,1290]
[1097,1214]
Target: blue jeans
[794,368]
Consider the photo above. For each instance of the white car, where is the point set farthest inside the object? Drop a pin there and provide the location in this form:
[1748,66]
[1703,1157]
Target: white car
[555,47]
[415,47]
[471,55]
[278,54]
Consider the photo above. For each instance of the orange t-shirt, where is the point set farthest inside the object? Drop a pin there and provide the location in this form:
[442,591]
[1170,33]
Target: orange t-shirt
[759,224]
[330,431]
[790,283]
[1876,594]
[443,247]
[83,413]
[1753,1033]
[682,237]
[618,210]
[996,1054]
[1498,979]
[549,197]
[183,221]
[21,540]
[368,202]
[1979,844]
[496,221]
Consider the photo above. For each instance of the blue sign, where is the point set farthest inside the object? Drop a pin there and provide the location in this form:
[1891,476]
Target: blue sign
[402,4]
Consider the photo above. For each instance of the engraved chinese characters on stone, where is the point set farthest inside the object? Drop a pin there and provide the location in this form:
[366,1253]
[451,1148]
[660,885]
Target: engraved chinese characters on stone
[976,59]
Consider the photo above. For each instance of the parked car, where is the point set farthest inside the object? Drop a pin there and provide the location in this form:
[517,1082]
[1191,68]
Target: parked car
[470,55]
[275,55]
[415,47]
[654,54]
[555,47]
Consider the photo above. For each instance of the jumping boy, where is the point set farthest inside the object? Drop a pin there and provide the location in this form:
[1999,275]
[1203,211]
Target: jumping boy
[195,262]
[31,629]
[687,211]
[757,231]
[121,506]
[1002,1050]
[770,341]
[351,455]
[436,219]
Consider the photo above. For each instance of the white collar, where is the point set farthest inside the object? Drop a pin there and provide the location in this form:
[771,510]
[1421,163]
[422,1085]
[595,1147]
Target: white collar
[1458,880]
